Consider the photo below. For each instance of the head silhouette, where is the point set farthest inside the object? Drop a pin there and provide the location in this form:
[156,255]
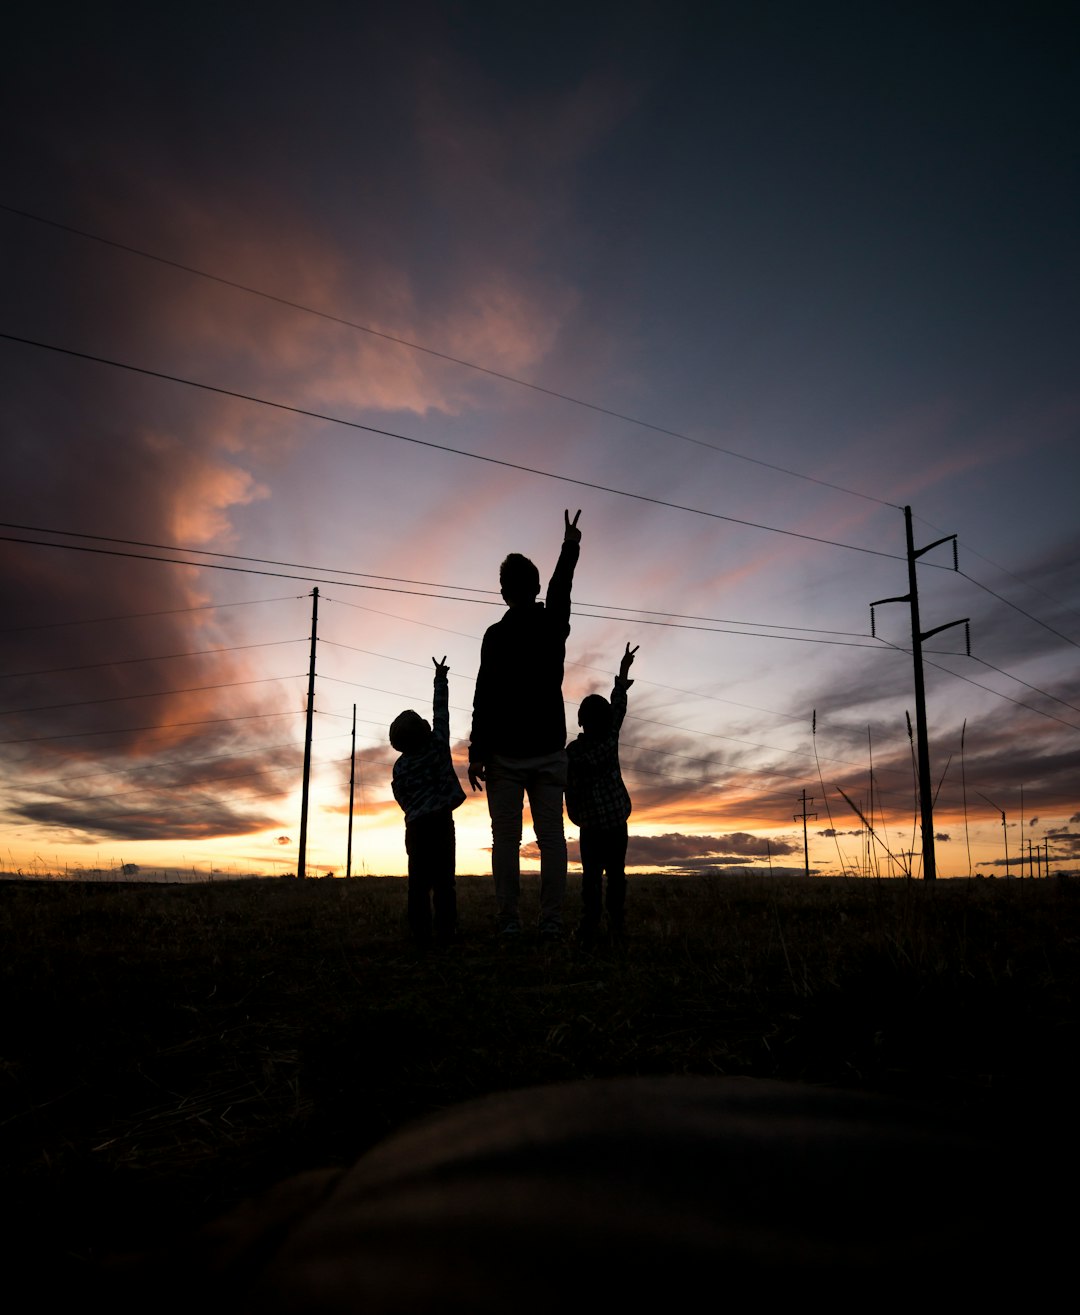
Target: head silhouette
[409,731]
[594,715]
[519,580]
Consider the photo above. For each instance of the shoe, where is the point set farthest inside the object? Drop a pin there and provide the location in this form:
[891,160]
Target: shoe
[550,931]
[510,930]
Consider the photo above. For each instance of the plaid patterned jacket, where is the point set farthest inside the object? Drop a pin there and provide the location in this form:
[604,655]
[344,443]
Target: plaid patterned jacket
[425,780]
[595,794]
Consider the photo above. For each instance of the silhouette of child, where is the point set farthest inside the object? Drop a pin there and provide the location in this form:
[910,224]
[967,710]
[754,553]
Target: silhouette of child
[427,788]
[597,801]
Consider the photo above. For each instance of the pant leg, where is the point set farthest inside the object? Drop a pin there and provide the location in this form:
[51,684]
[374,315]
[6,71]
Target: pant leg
[418,848]
[546,785]
[443,887]
[505,796]
[615,862]
[592,869]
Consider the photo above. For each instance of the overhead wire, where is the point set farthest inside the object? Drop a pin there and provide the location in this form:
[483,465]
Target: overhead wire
[135,616]
[459,588]
[471,365]
[410,593]
[1005,571]
[236,557]
[987,688]
[1027,685]
[439,447]
[151,694]
[160,657]
[583,666]
[1017,608]
[239,570]
[638,617]
[443,356]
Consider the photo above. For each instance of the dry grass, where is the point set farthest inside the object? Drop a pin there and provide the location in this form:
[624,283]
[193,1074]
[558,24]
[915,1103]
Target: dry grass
[168,1050]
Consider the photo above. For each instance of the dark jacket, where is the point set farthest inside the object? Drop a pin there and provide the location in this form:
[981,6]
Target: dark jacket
[425,781]
[595,793]
[518,707]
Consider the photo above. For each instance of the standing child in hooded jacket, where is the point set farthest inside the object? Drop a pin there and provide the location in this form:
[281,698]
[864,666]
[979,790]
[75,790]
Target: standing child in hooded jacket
[427,788]
[597,801]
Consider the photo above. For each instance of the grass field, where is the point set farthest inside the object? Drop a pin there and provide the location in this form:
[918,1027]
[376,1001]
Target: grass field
[169,1050]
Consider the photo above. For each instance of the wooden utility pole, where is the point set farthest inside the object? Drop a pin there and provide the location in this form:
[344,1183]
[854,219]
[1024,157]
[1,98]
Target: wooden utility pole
[301,861]
[352,784]
[804,815]
[926,785]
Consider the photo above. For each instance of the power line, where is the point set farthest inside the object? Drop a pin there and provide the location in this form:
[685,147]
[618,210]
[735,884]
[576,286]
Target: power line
[584,666]
[443,356]
[719,630]
[135,616]
[989,689]
[1034,688]
[240,570]
[1005,571]
[464,634]
[1017,608]
[412,593]
[368,575]
[685,730]
[718,620]
[153,694]
[439,447]
[161,657]
[236,557]
[594,616]
[161,726]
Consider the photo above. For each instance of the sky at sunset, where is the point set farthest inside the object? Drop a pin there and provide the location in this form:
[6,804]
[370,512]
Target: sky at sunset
[739,281]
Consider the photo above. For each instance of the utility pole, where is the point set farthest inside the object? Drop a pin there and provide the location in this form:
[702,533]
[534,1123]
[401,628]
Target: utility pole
[804,815]
[301,862]
[926,785]
[352,783]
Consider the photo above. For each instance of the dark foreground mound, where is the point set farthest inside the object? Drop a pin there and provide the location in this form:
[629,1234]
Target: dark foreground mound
[633,1192]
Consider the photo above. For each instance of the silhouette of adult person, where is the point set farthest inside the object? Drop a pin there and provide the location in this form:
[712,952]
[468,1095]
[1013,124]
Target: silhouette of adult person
[518,742]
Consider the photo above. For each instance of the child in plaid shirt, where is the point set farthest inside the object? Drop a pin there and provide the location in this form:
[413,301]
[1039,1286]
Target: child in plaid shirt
[427,788]
[597,801]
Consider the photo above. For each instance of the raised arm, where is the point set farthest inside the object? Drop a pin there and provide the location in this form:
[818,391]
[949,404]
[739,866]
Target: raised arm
[618,693]
[557,600]
[440,703]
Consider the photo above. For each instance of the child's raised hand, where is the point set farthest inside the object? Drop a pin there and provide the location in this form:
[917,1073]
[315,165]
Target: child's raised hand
[627,660]
[441,669]
[571,533]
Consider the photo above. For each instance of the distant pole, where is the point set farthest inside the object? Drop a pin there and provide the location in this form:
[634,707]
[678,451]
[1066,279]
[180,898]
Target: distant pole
[926,785]
[301,862]
[806,843]
[352,783]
